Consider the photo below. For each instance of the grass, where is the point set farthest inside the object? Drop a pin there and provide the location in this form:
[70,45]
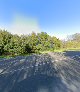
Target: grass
[43,52]
[10,56]
[73,49]
[7,57]
[68,49]
[61,50]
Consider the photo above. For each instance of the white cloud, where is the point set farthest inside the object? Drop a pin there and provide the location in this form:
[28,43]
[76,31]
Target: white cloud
[63,32]
[60,36]
[23,25]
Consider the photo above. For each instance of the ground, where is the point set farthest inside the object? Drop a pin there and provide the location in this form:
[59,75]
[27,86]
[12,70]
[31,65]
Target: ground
[51,72]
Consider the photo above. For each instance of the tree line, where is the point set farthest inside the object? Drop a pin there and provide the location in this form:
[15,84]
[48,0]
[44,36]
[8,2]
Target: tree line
[33,43]
[72,42]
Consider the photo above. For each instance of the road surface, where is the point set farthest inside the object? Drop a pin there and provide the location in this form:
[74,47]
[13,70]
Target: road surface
[52,72]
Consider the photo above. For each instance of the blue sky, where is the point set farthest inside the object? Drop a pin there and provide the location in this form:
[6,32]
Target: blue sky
[56,17]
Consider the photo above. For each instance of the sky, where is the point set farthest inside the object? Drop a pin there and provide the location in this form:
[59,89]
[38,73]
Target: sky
[56,17]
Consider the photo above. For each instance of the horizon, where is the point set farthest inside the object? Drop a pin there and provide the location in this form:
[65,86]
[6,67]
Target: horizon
[57,18]
[64,39]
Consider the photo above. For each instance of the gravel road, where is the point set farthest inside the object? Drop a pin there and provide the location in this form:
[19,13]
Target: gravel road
[52,72]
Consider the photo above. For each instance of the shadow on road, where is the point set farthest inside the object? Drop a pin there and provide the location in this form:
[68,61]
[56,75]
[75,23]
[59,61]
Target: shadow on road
[72,53]
[40,83]
[37,73]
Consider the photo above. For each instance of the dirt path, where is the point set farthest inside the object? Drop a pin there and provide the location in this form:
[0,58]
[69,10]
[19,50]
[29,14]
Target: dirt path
[57,72]
[69,70]
[58,56]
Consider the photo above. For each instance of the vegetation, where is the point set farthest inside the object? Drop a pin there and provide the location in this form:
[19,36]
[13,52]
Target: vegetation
[72,43]
[12,45]
[33,43]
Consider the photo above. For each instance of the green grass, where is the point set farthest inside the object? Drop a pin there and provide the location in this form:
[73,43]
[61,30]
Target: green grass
[68,49]
[43,52]
[7,57]
[73,49]
[61,50]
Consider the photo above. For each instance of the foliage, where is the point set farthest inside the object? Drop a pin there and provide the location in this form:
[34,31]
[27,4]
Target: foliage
[33,43]
[73,42]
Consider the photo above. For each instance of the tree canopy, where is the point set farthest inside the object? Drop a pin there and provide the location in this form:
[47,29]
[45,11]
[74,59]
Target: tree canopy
[73,42]
[33,43]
